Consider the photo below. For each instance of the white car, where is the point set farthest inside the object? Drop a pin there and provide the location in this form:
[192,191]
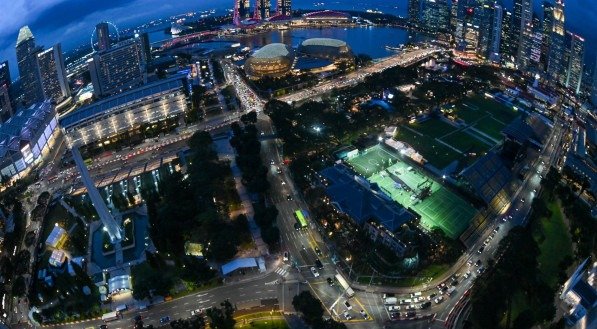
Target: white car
[439,299]
[314,271]
[197,312]
[393,308]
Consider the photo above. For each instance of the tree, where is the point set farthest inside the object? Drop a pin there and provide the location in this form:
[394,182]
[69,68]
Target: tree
[309,306]
[222,318]
[19,287]
[249,118]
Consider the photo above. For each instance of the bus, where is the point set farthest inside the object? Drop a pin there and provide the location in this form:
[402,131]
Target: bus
[345,286]
[110,316]
[300,218]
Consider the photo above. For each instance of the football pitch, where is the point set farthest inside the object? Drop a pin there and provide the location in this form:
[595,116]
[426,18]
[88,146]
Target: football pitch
[412,188]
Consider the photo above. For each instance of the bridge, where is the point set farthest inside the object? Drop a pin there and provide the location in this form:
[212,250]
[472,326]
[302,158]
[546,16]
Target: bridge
[187,39]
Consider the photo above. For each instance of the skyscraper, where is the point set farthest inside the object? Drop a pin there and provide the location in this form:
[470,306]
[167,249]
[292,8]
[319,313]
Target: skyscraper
[536,45]
[556,65]
[414,12]
[28,71]
[496,37]
[483,20]
[436,15]
[145,45]
[547,26]
[6,109]
[117,69]
[262,9]
[466,34]
[241,11]
[576,50]
[102,32]
[523,30]
[53,74]
[284,8]
[508,45]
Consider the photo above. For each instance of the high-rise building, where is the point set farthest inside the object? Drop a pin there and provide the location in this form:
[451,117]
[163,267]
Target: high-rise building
[284,8]
[508,45]
[414,12]
[536,45]
[102,32]
[594,85]
[523,30]
[466,34]
[436,15]
[483,20]
[117,69]
[53,74]
[6,106]
[241,11]
[547,26]
[453,16]
[28,71]
[262,9]
[145,45]
[556,65]
[575,45]
[496,37]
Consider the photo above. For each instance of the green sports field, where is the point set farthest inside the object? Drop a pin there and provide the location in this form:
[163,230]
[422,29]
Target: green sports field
[411,187]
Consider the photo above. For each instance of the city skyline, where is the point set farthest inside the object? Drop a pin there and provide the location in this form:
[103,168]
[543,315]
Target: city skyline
[70,22]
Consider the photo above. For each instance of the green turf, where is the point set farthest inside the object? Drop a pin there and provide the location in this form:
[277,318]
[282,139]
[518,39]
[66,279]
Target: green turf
[433,128]
[442,208]
[497,110]
[436,153]
[491,127]
[466,143]
[264,324]
[555,245]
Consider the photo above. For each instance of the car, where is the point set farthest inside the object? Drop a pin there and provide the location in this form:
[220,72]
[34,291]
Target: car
[289,197]
[430,297]
[347,304]
[394,315]
[467,274]
[478,262]
[137,318]
[103,326]
[392,308]
[314,271]
[317,251]
[318,264]
[470,262]
[411,314]
[481,270]
[410,307]
[480,250]
[164,319]
[454,283]
[487,241]
[439,299]
[364,314]
[272,162]
[286,256]
[197,311]
[425,305]
[522,200]
[330,281]
[347,316]
[496,229]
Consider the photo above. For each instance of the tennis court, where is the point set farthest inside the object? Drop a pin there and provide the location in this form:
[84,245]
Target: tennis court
[412,188]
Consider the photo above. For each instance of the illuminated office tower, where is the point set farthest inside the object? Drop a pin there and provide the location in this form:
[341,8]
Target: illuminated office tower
[576,52]
[27,62]
[262,9]
[483,21]
[547,26]
[284,8]
[523,30]
[241,11]
[102,32]
[53,74]
[556,65]
[496,36]
[436,15]
[6,106]
[508,44]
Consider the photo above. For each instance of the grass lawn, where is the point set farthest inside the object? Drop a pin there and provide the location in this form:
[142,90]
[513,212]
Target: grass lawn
[466,143]
[433,128]
[264,324]
[554,243]
[437,154]
[519,304]
[498,111]
[491,127]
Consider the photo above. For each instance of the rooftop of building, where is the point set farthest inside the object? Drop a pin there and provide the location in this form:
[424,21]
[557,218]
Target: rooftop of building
[328,42]
[107,104]
[24,34]
[325,14]
[22,126]
[349,195]
[487,176]
[533,127]
[273,50]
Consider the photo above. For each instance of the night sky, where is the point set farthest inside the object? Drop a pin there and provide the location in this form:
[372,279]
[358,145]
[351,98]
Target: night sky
[72,21]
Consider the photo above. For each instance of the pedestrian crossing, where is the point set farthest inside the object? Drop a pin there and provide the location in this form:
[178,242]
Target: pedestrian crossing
[283,271]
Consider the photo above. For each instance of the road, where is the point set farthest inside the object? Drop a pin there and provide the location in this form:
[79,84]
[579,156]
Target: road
[295,275]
